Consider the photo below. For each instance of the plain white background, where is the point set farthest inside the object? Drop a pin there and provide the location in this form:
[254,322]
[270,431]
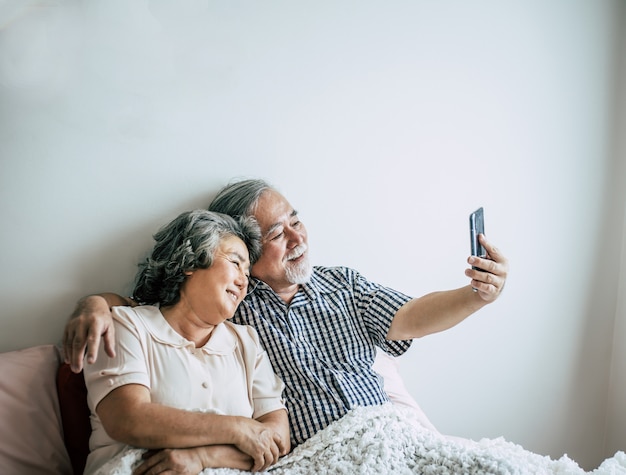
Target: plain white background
[385,124]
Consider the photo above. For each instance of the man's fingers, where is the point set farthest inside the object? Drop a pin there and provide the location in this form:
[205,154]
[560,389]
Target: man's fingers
[89,324]
[488,284]
[76,345]
[109,342]
[77,359]
[67,353]
[493,251]
[93,343]
[96,333]
[81,343]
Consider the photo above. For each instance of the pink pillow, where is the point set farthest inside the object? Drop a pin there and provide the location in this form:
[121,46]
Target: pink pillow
[389,368]
[30,419]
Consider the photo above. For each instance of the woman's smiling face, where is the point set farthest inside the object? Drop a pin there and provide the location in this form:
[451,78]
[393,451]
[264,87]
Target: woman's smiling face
[214,294]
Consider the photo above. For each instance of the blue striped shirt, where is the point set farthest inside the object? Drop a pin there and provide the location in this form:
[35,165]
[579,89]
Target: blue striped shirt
[323,344]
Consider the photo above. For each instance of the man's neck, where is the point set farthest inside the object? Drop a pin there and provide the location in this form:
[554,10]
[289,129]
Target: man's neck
[286,293]
[285,290]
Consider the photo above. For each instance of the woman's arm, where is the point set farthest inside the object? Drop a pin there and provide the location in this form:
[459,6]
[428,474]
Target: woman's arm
[196,459]
[128,415]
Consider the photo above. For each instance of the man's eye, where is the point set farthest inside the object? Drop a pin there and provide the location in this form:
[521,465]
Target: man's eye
[236,263]
[277,236]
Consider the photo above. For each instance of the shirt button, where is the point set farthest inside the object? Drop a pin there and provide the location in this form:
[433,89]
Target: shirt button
[205,385]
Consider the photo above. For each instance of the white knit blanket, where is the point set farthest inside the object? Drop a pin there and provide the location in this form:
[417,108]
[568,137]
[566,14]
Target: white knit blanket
[389,439]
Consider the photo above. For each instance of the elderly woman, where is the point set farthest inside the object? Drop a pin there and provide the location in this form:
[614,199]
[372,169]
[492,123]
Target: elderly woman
[184,378]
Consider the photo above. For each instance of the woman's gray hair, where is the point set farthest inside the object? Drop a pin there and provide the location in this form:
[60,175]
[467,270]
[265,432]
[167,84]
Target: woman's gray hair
[186,244]
[239,198]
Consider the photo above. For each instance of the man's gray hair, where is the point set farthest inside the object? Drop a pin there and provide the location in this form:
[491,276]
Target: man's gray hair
[240,198]
[185,244]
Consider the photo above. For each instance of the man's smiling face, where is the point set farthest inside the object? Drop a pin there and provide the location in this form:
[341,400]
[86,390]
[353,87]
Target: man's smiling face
[284,261]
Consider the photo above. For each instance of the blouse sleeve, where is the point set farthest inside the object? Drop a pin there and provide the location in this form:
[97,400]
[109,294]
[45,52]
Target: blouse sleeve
[267,387]
[127,367]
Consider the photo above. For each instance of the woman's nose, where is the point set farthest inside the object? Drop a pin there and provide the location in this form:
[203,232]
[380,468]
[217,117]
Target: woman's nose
[242,279]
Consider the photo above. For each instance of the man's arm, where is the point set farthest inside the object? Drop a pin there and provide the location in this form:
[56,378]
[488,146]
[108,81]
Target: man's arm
[439,311]
[128,415]
[90,321]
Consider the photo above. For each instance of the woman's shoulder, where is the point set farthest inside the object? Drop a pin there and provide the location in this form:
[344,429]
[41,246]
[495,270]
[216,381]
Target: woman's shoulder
[246,333]
[140,316]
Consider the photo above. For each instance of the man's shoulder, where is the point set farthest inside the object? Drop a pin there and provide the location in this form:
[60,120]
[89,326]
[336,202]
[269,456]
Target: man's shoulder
[332,278]
[334,270]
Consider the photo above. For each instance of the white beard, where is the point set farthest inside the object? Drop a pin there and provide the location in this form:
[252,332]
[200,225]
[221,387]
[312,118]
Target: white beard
[299,273]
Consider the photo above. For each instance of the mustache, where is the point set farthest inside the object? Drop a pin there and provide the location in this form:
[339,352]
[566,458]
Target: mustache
[296,252]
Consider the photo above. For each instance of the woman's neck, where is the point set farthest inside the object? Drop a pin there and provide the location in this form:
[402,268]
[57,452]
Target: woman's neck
[186,324]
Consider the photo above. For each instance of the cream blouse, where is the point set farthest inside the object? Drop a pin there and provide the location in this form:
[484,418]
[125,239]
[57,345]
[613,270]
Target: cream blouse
[230,375]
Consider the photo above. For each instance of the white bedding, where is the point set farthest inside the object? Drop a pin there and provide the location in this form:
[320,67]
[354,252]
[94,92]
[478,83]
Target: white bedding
[389,439]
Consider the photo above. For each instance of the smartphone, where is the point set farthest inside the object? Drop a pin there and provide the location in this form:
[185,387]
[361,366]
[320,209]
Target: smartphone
[477,226]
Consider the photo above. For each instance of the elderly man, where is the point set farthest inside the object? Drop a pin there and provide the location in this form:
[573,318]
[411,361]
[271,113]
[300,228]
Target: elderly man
[319,325]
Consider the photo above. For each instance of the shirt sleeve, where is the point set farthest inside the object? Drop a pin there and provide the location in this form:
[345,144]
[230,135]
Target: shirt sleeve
[127,367]
[378,306]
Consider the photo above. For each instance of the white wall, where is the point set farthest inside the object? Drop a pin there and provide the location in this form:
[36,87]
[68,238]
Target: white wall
[616,414]
[385,124]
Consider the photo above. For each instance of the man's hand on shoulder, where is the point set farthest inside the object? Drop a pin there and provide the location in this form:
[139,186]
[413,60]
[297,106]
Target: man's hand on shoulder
[90,322]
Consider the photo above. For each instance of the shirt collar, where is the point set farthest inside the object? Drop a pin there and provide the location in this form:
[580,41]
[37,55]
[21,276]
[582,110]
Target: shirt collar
[222,341]
[310,290]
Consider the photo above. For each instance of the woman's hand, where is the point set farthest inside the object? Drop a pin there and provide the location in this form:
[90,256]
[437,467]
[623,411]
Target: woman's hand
[261,442]
[258,448]
[174,461]
[193,461]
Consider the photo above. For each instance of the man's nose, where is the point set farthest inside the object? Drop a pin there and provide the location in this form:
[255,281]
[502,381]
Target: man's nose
[295,237]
